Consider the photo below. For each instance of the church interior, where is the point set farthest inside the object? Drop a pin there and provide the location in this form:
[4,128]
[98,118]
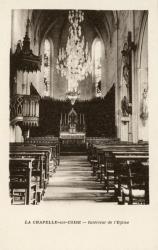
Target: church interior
[79,107]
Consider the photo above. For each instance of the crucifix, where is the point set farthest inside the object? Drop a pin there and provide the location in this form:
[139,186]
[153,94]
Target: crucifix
[128,47]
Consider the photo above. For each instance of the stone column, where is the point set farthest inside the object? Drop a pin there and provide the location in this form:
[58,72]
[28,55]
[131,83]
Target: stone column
[18,134]
[125,128]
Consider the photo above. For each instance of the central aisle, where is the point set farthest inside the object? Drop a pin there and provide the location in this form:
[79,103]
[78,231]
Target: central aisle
[73,181]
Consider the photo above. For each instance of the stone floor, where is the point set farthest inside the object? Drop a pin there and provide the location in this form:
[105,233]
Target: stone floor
[73,181]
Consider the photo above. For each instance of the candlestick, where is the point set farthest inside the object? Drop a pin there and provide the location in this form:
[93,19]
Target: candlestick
[65,118]
[83,118]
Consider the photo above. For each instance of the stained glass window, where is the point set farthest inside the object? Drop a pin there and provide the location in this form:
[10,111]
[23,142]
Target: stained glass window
[97,47]
[47,53]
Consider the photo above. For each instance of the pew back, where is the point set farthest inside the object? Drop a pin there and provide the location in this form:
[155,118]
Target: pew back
[20,171]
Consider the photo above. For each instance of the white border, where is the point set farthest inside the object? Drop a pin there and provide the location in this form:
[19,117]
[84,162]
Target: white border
[141,233]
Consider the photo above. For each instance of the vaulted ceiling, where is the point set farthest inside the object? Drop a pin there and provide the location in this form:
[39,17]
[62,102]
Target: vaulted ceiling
[44,21]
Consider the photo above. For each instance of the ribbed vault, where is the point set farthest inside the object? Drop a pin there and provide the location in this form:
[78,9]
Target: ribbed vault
[45,21]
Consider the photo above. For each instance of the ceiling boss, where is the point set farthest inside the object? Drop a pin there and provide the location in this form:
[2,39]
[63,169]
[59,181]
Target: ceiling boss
[74,62]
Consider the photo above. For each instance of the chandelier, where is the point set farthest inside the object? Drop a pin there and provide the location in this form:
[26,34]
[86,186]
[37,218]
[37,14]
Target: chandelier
[72,95]
[74,62]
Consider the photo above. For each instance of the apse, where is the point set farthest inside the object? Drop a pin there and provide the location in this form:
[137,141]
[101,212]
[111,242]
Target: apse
[58,31]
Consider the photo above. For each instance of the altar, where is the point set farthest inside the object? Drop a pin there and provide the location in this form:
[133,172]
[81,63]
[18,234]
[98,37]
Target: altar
[72,138]
[72,128]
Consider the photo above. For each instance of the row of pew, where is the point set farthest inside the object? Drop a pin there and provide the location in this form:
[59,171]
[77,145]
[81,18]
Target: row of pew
[123,168]
[30,167]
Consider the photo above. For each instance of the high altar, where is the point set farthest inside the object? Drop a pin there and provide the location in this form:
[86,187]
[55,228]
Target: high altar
[72,128]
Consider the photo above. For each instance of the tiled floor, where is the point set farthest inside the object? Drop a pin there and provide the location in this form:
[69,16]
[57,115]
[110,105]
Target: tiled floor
[73,181]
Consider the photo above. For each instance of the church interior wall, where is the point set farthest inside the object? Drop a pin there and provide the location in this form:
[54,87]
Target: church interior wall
[110,66]
[17,31]
[143,86]
[59,39]
[131,21]
[112,63]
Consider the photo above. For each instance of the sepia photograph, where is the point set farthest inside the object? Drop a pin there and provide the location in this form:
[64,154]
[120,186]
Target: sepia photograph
[79,107]
[79,127]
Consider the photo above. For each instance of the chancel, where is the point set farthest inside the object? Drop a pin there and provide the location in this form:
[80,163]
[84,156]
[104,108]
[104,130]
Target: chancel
[79,107]
[72,122]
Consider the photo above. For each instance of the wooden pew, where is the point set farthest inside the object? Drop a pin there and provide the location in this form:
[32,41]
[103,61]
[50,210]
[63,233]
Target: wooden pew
[90,141]
[37,166]
[100,152]
[20,184]
[29,149]
[40,171]
[94,147]
[52,142]
[109,155]
[47,141]
[102,163]
[110,168]
[55,152]
[99,149]
[132,174]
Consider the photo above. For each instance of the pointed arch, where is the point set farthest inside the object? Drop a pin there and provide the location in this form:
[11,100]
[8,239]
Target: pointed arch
[48,55]
[97,49]
[46,67]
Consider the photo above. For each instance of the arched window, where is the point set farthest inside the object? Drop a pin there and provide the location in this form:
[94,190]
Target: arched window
[47,53]
[97,68]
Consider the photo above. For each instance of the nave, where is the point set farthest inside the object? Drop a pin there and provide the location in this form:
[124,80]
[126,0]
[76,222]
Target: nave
[79,107]
[110,171]
[73,181]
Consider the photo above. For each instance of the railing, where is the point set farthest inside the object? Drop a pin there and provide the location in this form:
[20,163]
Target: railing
[25,109]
